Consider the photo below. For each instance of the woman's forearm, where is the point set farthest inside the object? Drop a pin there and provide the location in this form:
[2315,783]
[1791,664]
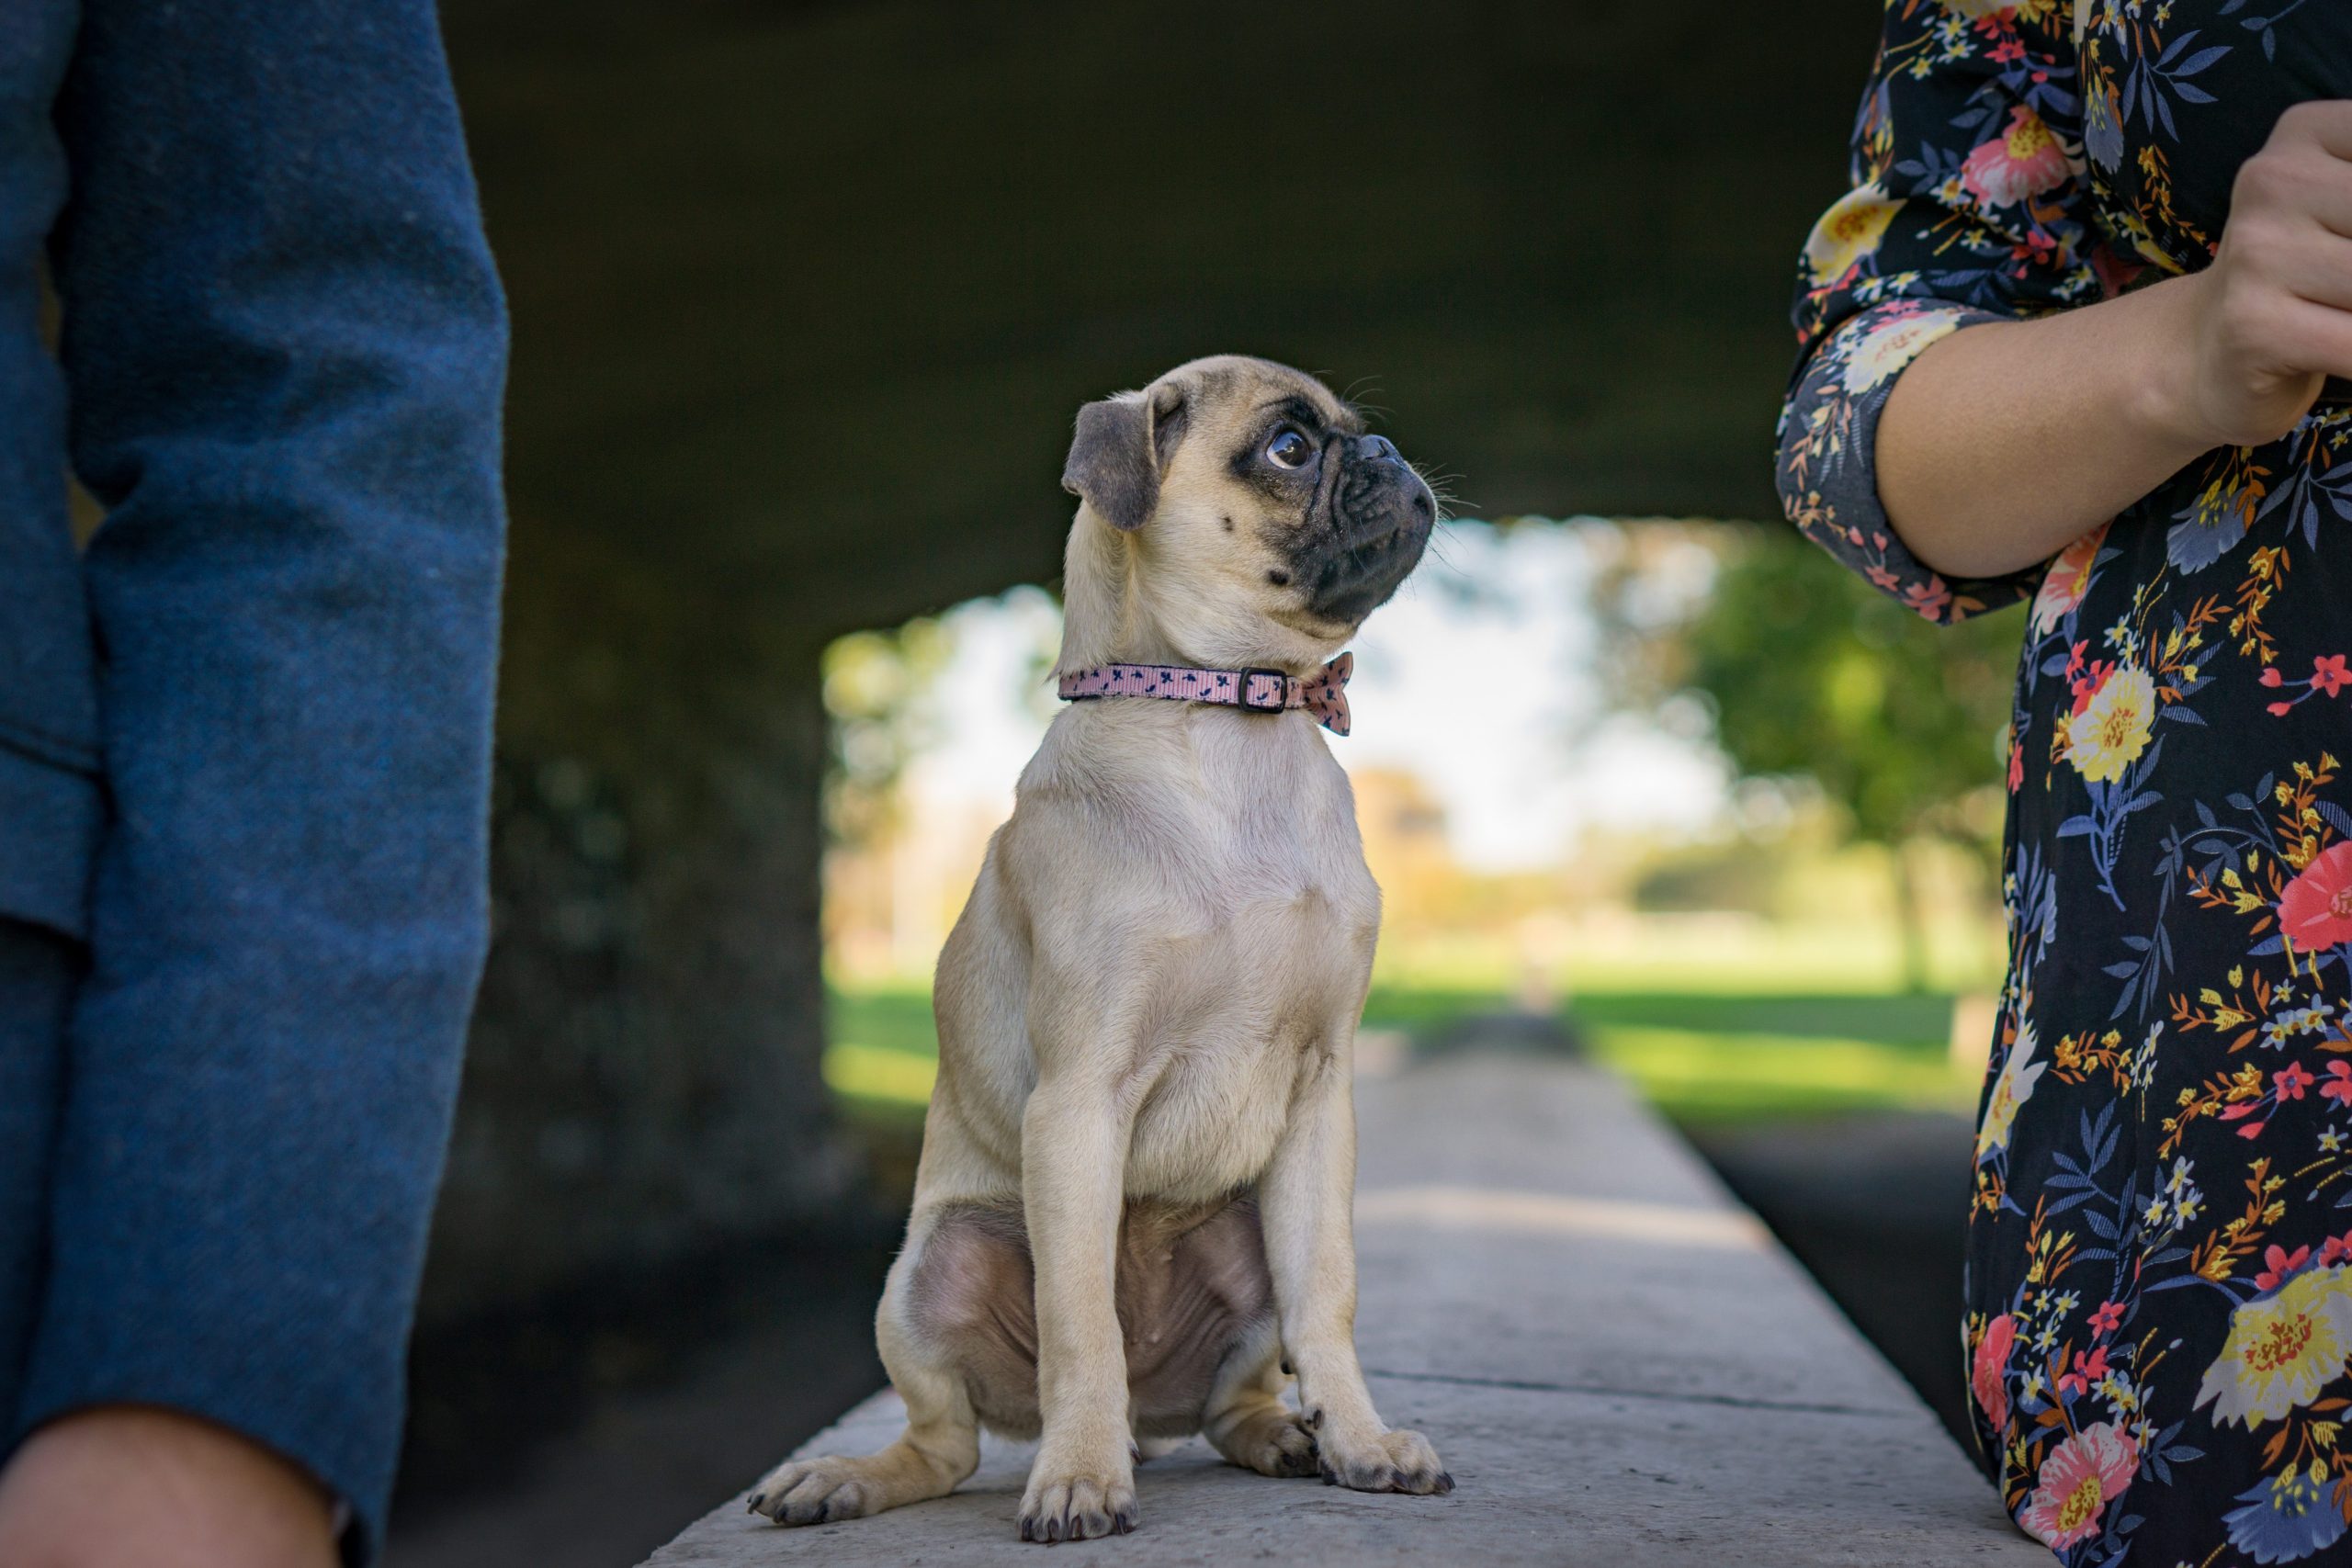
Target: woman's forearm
[2004,441]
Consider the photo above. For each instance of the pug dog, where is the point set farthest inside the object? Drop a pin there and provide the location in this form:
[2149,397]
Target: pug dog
[1132,1219]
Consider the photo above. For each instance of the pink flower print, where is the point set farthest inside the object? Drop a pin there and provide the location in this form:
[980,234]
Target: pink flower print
[2277,1263]
[2290,1081]
[1986,1378]
[2035,250]
[2087,684]
[2023,161]
[2338,1087]
[2088,1369]
[2328,676]
[2063,585]
[1929,600]
[2108,1318]
[2316,911]
[2079,1479]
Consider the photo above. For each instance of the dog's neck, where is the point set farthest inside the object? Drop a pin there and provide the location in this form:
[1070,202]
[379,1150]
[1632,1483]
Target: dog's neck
[1108,618]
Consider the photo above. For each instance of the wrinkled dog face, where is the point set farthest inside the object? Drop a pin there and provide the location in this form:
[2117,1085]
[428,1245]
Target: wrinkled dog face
[1265,523]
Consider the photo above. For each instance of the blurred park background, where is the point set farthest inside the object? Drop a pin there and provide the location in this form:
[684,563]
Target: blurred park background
[806,293]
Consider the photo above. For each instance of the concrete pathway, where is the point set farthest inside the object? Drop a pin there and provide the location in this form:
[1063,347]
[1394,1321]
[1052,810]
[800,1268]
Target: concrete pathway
[1618,1364]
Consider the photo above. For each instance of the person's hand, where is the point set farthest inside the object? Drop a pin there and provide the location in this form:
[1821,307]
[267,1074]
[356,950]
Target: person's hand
[2272,317]
[123,1485]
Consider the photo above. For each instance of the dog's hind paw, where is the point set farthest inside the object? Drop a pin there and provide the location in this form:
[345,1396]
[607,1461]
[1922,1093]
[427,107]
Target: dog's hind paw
[1273,1442]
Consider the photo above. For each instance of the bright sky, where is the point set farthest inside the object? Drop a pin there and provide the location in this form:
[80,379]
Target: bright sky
[1479,677]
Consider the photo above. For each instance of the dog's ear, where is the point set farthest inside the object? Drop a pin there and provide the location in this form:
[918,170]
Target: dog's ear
[1122,447]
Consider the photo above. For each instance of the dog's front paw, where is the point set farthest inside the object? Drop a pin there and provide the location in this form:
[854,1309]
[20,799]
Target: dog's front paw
[1063,1506]
[1389,1461]
[817,1491]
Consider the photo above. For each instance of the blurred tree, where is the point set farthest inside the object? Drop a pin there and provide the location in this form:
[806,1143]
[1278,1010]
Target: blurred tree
[872,680]
[1810,673]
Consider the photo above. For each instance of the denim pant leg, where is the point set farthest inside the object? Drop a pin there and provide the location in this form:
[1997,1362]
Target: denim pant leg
[38,969]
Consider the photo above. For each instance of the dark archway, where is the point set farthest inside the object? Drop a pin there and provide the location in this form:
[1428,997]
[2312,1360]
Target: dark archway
[805,296]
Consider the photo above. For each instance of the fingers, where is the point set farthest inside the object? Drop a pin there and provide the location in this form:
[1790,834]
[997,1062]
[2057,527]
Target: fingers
[2316,338]
[2317,271]
[2325,123]
[2270,248]
[2286,302]
[2285,264]
[2290,183]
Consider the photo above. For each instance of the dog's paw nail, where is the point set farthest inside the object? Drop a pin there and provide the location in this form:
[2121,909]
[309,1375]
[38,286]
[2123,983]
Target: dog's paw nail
[1444,1480]
[1124,1521]
[754,1505]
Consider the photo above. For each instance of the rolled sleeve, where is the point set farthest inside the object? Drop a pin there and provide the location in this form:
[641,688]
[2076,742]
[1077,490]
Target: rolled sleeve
[1828,472]
[1969,204]
[286,346]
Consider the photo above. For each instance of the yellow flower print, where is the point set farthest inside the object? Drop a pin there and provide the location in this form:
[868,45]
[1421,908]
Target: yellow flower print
[2109,730]
[2282,1350]
[1848,231]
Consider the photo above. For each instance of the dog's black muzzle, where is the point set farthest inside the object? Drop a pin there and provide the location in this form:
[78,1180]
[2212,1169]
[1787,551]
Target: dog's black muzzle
[1378,520]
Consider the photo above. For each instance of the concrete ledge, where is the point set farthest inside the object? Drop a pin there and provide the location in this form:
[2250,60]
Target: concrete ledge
[1616,1361]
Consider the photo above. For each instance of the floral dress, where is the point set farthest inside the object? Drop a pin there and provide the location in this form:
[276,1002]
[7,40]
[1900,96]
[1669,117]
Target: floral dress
[2159,1300]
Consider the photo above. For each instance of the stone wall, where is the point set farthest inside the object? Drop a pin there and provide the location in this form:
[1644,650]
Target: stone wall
[642,1080]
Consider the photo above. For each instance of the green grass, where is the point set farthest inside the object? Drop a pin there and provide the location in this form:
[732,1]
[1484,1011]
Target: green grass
[1897,1020]
[881,1059]
[1725,1059]
[1699,1057]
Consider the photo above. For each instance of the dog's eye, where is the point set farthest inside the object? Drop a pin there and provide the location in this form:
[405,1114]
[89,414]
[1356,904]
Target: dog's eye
[1289,450]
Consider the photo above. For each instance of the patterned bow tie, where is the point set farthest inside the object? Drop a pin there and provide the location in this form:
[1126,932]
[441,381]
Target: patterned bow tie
[1324,694]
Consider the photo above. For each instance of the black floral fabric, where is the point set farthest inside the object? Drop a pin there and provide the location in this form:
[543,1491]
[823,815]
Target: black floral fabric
[2158,1322]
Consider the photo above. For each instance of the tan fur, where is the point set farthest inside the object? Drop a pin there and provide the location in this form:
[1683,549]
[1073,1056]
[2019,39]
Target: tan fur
[1134,1201]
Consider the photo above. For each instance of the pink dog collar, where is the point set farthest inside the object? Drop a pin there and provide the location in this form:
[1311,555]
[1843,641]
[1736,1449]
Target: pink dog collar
[1255,691]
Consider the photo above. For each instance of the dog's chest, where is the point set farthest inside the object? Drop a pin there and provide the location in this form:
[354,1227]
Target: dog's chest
[1276,1002]
[1266,988]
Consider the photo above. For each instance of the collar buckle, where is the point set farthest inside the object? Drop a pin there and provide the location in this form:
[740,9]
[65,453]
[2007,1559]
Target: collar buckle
[1282,692]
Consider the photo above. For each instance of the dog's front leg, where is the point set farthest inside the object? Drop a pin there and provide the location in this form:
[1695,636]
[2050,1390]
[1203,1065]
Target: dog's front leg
[1305,1203]
[1073,1179]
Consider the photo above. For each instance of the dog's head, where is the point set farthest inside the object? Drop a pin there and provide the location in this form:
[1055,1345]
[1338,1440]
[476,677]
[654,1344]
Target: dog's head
[1235,512]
